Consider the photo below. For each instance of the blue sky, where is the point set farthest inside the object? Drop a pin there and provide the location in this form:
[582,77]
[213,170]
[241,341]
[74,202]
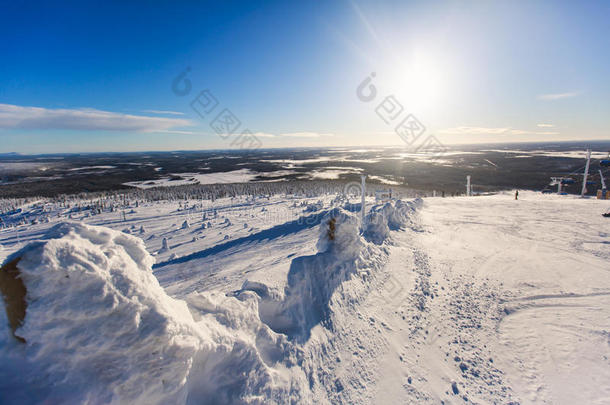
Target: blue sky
[97,76]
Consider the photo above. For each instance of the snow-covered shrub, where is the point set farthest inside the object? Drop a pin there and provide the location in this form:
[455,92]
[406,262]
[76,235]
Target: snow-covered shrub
[339,234]
[313,207]
[164,245]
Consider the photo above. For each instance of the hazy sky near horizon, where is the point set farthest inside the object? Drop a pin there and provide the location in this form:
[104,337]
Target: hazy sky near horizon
[104,75]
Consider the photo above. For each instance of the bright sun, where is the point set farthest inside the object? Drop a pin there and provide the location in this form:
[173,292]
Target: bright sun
[417,83]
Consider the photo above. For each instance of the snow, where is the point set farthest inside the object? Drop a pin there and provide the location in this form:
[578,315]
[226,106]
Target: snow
[482,299]
[235,176]
[100,327]
[538,270]
[384,180]
[562,154]
[98,318]
[329,174]
[91,168]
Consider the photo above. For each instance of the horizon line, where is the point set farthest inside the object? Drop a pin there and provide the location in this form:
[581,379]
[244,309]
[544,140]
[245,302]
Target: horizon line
[14,153]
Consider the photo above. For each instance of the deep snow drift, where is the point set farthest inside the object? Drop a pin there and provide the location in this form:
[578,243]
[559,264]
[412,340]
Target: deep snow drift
[100,328]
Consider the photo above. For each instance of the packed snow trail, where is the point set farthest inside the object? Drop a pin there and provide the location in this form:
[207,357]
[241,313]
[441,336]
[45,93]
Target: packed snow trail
[509,302]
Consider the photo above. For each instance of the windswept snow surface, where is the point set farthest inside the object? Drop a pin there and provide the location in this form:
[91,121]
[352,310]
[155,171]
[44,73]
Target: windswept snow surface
[506,301]
[262,300]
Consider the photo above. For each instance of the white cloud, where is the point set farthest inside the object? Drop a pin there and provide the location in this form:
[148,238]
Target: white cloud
[472,130]
[545,125]
[557,96]
[293,135]
[264,135]
[163,112]
[305,134]
[86,119]
[492,131]
[177,132]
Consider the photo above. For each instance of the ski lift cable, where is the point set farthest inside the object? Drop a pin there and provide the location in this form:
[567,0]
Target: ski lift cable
[580,170]
[567,180]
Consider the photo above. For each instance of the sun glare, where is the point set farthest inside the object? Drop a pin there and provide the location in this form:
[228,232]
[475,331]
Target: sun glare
[417,82]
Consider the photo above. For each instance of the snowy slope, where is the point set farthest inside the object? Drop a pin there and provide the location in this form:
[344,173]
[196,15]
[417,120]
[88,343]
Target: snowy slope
[483,299]
[513,303]
[549,259]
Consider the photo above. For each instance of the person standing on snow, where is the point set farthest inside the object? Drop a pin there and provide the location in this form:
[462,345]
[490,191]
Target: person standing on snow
[516,194]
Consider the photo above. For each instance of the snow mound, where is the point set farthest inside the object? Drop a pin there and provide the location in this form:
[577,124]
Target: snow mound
[343,255]
[97,317]
[316,284]
[99,328]
[313,280]
[390,216]
[251,364]
[399,213]
[376,228]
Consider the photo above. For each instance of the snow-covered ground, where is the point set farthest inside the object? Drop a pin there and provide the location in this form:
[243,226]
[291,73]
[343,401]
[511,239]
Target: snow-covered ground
[518,302]
[483,299]
[181,179]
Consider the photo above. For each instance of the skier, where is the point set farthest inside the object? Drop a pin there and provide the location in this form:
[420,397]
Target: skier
[516,194]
